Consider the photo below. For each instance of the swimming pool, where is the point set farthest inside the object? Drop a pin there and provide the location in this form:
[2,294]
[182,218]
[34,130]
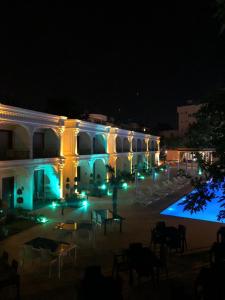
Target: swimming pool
[210,213]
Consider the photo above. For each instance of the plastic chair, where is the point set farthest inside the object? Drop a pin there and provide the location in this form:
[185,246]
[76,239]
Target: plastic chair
[83,235]
[50,259]
[28,254]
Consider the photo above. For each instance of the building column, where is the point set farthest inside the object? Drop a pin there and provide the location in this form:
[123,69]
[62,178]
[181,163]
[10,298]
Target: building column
[114,143]
[107,142]
[75,134]
[61,164]
[158,145]
[146,142]
[60,132]
[130,139]
[130,158]
[75,173]
[157,158]
[147,160]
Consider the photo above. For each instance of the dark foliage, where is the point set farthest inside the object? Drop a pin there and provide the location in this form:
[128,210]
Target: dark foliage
[209,131]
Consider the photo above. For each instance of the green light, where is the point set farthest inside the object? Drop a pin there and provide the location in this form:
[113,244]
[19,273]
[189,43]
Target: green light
[42,220]
[83,193]
[104,187]
[85,203]
[138,174]
[54,204]
[124,185]
[142,177]
[109,193]
[199,172]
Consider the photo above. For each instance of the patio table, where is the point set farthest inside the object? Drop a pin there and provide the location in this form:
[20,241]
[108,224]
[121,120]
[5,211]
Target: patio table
[107,217]
[58,248]
[72,226]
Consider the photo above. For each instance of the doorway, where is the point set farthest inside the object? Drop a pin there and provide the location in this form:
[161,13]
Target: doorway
[39,188]
[8,191]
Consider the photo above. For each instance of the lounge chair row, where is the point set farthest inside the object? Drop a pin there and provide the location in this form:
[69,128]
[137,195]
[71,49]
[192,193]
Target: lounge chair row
[157,191]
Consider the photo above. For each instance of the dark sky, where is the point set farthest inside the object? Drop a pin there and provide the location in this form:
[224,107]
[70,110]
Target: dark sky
[135,63]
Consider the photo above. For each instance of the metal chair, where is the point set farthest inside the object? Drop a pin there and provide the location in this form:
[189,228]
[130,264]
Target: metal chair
[50,259]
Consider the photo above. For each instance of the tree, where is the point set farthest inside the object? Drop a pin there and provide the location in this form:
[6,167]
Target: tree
[115,182]
[220,13]
[209,131]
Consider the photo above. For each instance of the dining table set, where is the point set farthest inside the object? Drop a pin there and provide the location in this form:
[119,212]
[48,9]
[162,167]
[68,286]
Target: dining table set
[173,237]
[57,249]
[137,259]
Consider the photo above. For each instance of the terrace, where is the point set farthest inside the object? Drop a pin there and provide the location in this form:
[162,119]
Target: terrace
[137,226]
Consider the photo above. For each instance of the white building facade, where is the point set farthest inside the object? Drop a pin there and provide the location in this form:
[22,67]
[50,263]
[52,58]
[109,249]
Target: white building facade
[30,157]
[89,147]
[42,154]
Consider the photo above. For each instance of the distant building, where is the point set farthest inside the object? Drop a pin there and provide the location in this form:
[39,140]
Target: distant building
[186,117]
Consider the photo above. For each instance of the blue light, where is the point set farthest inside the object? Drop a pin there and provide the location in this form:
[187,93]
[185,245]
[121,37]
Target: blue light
[210,213]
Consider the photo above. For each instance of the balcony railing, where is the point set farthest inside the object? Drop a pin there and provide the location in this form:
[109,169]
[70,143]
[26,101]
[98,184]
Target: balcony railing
[84,151]
[44,153]
[11,154]
[99,151]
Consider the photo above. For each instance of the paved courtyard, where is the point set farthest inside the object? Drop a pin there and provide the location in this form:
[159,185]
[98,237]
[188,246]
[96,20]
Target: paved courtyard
[139,220]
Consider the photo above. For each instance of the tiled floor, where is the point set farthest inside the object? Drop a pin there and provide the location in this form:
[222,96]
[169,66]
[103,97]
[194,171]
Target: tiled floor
[139,220]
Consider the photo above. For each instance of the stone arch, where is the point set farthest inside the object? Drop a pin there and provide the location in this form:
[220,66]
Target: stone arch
[46,143]
[99,144]
[140,162]
[126,145]
[139,145]
[84,174]
[123,164]
[144,146]
[152,145]
[134,145]
[99,170]
[119,145]
[84,143]
[15,141]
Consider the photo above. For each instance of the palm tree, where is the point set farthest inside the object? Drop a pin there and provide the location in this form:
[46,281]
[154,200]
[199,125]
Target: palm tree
[114,182]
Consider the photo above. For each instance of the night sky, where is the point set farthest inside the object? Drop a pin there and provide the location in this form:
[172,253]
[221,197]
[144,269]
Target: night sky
[133,63]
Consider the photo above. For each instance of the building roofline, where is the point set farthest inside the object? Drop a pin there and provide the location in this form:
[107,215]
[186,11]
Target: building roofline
[23,111]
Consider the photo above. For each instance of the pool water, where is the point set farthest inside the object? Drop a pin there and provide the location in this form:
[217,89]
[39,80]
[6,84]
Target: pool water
[210,213]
